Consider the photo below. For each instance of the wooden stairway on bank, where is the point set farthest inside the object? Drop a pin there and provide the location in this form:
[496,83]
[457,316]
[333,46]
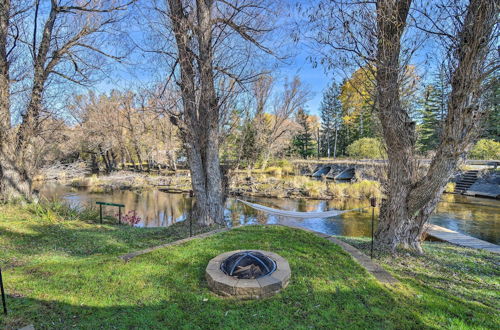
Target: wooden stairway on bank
[467,180]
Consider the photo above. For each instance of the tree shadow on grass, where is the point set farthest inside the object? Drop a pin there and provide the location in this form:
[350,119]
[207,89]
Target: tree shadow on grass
[167,289]
[348,308]
[86,240]
[457,273]
[179,305]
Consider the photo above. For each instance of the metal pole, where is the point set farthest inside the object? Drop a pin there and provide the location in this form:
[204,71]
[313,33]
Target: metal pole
[373,217]
[190,226]
[100,213]
[190,214]
[373,203]
[119,215]
[4,302]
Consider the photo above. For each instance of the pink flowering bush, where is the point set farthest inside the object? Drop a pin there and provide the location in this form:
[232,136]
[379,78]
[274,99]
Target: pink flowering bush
[130,218]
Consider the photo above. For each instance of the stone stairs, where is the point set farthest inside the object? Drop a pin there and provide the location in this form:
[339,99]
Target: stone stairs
[466,181]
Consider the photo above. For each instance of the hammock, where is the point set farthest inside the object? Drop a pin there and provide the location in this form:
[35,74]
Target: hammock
[293,214]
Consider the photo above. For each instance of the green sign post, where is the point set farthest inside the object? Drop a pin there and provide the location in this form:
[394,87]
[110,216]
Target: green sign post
[101,204]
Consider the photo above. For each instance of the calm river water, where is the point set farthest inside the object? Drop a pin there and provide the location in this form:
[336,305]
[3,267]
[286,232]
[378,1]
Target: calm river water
[476,217]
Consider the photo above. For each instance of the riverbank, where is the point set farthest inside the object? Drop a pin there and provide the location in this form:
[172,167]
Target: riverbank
[63,273]
[241,183]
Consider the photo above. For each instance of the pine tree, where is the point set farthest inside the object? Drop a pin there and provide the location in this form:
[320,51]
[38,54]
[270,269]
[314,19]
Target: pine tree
[304,141]
[430,127]
[433,112]
[331,120]
[492,103]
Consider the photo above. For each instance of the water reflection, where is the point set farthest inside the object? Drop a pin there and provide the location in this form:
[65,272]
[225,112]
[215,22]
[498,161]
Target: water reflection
[155,208]
[473,216]
[477,217]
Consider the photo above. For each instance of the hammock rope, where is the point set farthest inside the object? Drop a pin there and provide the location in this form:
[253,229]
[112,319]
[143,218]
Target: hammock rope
[294,214]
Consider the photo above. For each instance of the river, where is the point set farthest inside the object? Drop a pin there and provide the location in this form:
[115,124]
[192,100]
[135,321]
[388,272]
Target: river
[477,217]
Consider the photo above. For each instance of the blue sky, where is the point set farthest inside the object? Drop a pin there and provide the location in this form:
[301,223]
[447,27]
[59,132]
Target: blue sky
[142,72]
[315,79]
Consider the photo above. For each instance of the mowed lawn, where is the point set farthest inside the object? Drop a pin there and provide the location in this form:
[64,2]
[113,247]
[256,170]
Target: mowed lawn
[66,274]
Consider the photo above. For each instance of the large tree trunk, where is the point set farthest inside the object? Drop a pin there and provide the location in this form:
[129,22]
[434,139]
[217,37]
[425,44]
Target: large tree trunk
[410,198]
[17,164]
[14,185]
[206,180]
[200,130]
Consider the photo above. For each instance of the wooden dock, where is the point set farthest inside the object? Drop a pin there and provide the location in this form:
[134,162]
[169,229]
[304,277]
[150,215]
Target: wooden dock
[453,237]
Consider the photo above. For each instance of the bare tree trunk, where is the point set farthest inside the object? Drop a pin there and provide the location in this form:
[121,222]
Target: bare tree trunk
[213,210]
[206,181]
[172,161]
[265,160]
[398,128]
[335,144]
[328,143]
[94,164]
[7,186]
[13,185]
[201,117]
[410,199]
[138,154]
[318,141]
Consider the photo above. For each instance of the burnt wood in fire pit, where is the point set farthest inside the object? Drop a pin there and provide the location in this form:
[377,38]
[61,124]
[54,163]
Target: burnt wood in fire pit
[248,264]
[255,274]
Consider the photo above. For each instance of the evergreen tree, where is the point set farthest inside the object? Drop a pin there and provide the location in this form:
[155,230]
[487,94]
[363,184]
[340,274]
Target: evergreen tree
[492,119]
[331,120]
[433,112]
[431,123]
[304,141]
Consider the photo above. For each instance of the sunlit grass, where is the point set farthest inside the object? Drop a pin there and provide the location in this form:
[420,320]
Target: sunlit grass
[446,272]
[65,273]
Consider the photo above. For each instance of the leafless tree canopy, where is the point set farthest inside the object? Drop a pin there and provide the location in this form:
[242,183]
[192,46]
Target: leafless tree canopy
[45,46]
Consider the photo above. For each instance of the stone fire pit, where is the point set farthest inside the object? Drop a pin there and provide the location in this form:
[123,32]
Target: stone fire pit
[247,274]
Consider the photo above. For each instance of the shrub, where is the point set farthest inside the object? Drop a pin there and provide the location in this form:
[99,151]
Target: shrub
[96,190]
[450,187]
[314,188]
[299,181]
[288,169]
[286,166]
[274,170]
[54,210]
[369,148]
[337,190]
[88,181]
[485,149]
[363,189]
[130,218]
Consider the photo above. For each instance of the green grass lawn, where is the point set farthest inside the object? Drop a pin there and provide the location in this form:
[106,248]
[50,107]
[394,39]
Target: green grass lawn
[65,274]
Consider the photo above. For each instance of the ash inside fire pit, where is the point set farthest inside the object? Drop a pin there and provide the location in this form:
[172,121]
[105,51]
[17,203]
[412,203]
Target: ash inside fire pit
[248,265]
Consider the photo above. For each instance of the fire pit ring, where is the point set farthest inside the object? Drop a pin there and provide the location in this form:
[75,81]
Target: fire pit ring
[248,265]
[248,274]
